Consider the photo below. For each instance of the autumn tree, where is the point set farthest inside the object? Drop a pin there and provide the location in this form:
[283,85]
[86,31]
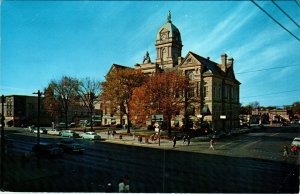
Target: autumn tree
[118,87]
[162,94]
[89,91]
[50,103]
[65,92]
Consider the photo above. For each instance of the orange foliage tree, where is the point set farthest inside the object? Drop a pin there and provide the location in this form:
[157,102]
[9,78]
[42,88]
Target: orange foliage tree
[50,103]
[117,89]
[164,94]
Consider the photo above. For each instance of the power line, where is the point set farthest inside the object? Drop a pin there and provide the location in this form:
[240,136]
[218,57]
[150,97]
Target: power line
[270,94]
[275,20]
[267,69]
[285,13]
[297,3]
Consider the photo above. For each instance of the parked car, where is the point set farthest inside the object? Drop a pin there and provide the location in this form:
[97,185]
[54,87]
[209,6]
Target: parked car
[69,133]
[42,130]
[54,132]
[69,145]
[295,123]
[72,125]
[47,149]
[296,142]
[30,129]
[90,135]
[60,125]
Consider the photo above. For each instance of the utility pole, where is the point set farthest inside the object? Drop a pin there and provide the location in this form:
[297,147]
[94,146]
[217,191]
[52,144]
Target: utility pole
[38,119]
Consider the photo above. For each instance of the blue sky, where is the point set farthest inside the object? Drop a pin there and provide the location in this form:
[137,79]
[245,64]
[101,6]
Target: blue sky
[44,40]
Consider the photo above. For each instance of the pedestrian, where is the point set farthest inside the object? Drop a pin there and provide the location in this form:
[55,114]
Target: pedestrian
[188,140]
[109,188]
[126,184]
[285,151]
[211,144]
[133,136]
[184,139]
[174,141]
[121,186]
[108,134]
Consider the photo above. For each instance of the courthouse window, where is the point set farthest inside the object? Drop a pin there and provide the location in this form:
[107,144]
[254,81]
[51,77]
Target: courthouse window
[205,91]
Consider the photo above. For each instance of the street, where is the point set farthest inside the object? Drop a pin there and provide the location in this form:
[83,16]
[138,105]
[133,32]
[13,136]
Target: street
[248,163]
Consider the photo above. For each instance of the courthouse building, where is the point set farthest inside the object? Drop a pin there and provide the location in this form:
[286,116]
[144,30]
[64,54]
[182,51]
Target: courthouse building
[215,97]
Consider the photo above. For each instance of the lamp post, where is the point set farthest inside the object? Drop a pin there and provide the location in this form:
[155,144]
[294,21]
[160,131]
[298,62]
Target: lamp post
[223,118]
[200,116]
[38,119]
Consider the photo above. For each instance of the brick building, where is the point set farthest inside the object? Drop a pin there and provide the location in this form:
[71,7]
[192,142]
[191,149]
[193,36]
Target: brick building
[216,91]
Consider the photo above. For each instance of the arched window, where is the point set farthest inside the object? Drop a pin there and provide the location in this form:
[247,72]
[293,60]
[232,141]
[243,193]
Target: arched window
[164,54]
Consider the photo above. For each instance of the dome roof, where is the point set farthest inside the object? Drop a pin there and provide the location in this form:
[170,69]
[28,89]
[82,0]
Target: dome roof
[172,29]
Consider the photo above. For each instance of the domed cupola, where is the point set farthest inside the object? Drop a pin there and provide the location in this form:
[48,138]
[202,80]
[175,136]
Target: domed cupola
[168,44]
[168,30]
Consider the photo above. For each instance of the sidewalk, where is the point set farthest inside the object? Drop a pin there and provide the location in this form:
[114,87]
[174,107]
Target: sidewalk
[133,140]
[197,145]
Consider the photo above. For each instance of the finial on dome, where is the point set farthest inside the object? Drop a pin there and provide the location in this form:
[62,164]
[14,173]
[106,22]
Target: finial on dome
[169,17]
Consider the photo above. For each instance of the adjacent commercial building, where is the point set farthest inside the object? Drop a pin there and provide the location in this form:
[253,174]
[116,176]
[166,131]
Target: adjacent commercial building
[22,110]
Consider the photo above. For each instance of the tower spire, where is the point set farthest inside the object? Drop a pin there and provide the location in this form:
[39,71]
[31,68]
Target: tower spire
[169,17]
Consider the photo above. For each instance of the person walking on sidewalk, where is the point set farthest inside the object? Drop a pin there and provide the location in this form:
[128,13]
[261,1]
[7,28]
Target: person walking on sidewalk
[188,140]
[174,141]
[285,152]
[211,144]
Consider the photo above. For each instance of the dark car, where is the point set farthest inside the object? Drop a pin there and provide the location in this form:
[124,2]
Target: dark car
[70,145]
[47,149]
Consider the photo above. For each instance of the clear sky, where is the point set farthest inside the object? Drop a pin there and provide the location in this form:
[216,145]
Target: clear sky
[44,40]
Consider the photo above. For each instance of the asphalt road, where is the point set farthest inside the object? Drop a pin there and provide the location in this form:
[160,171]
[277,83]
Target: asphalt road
[248,163]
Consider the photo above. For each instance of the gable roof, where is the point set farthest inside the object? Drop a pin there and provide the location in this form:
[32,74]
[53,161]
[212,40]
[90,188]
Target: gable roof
[117,66]
[209,65]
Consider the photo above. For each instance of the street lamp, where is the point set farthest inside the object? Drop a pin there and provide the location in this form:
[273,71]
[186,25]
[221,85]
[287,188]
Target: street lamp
[223,118]
[38,119]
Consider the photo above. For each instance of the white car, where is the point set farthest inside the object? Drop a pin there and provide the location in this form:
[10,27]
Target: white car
[90,135]
[54,132]
[296,142]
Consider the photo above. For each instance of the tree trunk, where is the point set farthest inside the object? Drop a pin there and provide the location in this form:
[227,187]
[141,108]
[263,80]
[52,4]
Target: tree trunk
[91,120]
[66,119]
[128,119]
[169,124]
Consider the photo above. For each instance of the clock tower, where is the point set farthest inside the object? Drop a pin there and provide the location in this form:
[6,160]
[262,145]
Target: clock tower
[168,45]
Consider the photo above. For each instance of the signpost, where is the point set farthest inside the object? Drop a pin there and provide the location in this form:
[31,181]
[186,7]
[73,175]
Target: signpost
[158,119]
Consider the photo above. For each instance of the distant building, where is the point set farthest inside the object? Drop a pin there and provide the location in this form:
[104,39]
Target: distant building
[22,110]
[273,115]
[216,92]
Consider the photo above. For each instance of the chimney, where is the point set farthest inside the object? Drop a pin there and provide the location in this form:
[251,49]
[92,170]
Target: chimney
[223,65]
[224,59]
[230,62]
